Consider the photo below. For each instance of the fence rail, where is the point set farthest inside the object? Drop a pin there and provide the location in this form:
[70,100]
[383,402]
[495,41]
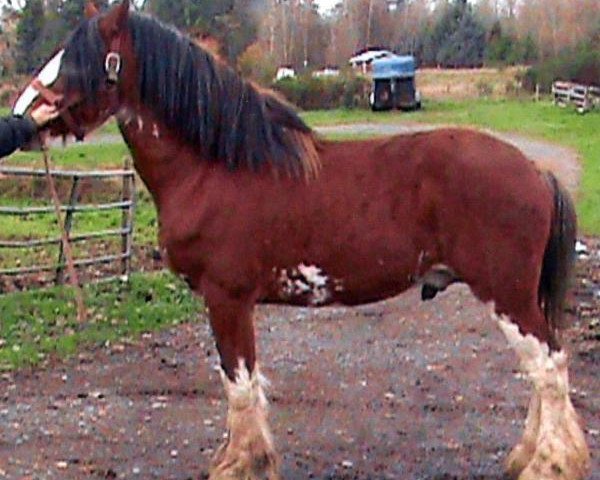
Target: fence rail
[126,204]
[29,172]
[26,211]
[584,97]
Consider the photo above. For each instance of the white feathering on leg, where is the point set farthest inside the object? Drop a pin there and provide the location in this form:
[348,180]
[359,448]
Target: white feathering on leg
[249,451]
[247,391]
[553,447]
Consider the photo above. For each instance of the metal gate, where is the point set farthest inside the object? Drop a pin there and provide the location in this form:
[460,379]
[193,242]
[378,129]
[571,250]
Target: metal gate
[126,204]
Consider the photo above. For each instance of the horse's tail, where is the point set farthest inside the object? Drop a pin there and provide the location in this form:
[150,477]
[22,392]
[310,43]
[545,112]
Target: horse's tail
[559,257]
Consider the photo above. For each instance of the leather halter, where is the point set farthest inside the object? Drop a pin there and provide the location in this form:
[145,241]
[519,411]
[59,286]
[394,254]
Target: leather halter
[53,99]
[113,64]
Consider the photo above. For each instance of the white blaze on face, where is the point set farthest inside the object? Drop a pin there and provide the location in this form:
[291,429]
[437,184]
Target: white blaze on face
[47,76]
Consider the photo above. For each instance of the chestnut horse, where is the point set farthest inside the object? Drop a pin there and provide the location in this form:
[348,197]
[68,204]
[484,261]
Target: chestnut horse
[253,208]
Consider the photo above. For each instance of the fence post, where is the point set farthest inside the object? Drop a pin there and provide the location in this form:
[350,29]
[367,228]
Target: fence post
[60,270]
[128,195]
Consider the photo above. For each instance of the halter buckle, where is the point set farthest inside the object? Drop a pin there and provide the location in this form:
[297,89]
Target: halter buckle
[112,65]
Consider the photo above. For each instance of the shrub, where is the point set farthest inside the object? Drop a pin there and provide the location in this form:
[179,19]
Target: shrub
[484,89]
[581,64]
[325,93]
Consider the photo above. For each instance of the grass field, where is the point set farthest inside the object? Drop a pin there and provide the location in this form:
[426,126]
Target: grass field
[38,324]
[464,84]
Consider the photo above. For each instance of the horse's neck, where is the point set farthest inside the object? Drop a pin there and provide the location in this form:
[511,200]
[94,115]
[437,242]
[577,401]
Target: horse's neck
[161,159]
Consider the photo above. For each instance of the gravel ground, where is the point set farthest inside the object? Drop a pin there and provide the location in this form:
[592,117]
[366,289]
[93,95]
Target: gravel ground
[398,390]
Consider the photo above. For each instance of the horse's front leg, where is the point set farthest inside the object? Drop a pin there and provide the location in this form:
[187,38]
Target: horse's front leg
[248,453]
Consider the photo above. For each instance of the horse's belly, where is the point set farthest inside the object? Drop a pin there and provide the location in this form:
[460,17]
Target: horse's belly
[312,286]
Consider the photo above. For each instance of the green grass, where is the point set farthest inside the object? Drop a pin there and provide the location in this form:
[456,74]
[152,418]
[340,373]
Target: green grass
[539,120]
[39,324]
[75,156]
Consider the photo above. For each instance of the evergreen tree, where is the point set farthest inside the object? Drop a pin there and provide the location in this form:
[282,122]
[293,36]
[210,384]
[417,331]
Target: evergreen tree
[29,33]
[529,50]
[457,39]
[71,12]
[230,21]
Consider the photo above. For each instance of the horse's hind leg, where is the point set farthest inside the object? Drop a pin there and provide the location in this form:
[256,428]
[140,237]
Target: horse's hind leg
[523,452]
[248,453]
[553,446]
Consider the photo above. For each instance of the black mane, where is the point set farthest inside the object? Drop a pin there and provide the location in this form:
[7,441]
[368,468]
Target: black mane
[206,102]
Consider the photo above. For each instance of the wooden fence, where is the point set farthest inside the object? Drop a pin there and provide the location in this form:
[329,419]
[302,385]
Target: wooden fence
[583,97]
[126,204]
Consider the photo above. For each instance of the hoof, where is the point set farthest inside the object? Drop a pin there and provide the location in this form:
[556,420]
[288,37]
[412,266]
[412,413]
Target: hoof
[552,463]
[521,455]
[229,465]
[518,459]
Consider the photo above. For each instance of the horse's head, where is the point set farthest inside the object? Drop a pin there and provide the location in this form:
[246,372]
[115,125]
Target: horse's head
[85,79]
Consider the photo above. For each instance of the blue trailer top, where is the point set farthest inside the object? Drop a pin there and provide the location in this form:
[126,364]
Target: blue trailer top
[394,67]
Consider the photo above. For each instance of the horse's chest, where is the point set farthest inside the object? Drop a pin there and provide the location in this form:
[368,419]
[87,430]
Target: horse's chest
[181,258]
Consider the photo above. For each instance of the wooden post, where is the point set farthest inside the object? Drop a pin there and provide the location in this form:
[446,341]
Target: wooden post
[73,198]
[81,310]
[537,92]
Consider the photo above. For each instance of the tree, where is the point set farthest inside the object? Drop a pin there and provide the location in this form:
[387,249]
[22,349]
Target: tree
[257,65]
[457,39]
[233,22]
[29,31]
[71,12]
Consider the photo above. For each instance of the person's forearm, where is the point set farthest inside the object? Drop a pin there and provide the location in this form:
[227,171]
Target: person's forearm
[15,132]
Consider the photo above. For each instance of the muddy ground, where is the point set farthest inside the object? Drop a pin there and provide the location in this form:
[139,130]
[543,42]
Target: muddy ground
[396,390]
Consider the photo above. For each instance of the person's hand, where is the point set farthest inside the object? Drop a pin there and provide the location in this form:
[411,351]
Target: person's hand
[43,114]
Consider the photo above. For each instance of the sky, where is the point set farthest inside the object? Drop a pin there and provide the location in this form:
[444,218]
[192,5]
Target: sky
[325,5]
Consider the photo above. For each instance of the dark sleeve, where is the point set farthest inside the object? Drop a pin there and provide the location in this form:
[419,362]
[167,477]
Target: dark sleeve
[15,132]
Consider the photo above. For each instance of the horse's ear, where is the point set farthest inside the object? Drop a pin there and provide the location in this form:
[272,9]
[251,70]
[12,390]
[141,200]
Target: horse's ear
[91,10]
[115,21]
